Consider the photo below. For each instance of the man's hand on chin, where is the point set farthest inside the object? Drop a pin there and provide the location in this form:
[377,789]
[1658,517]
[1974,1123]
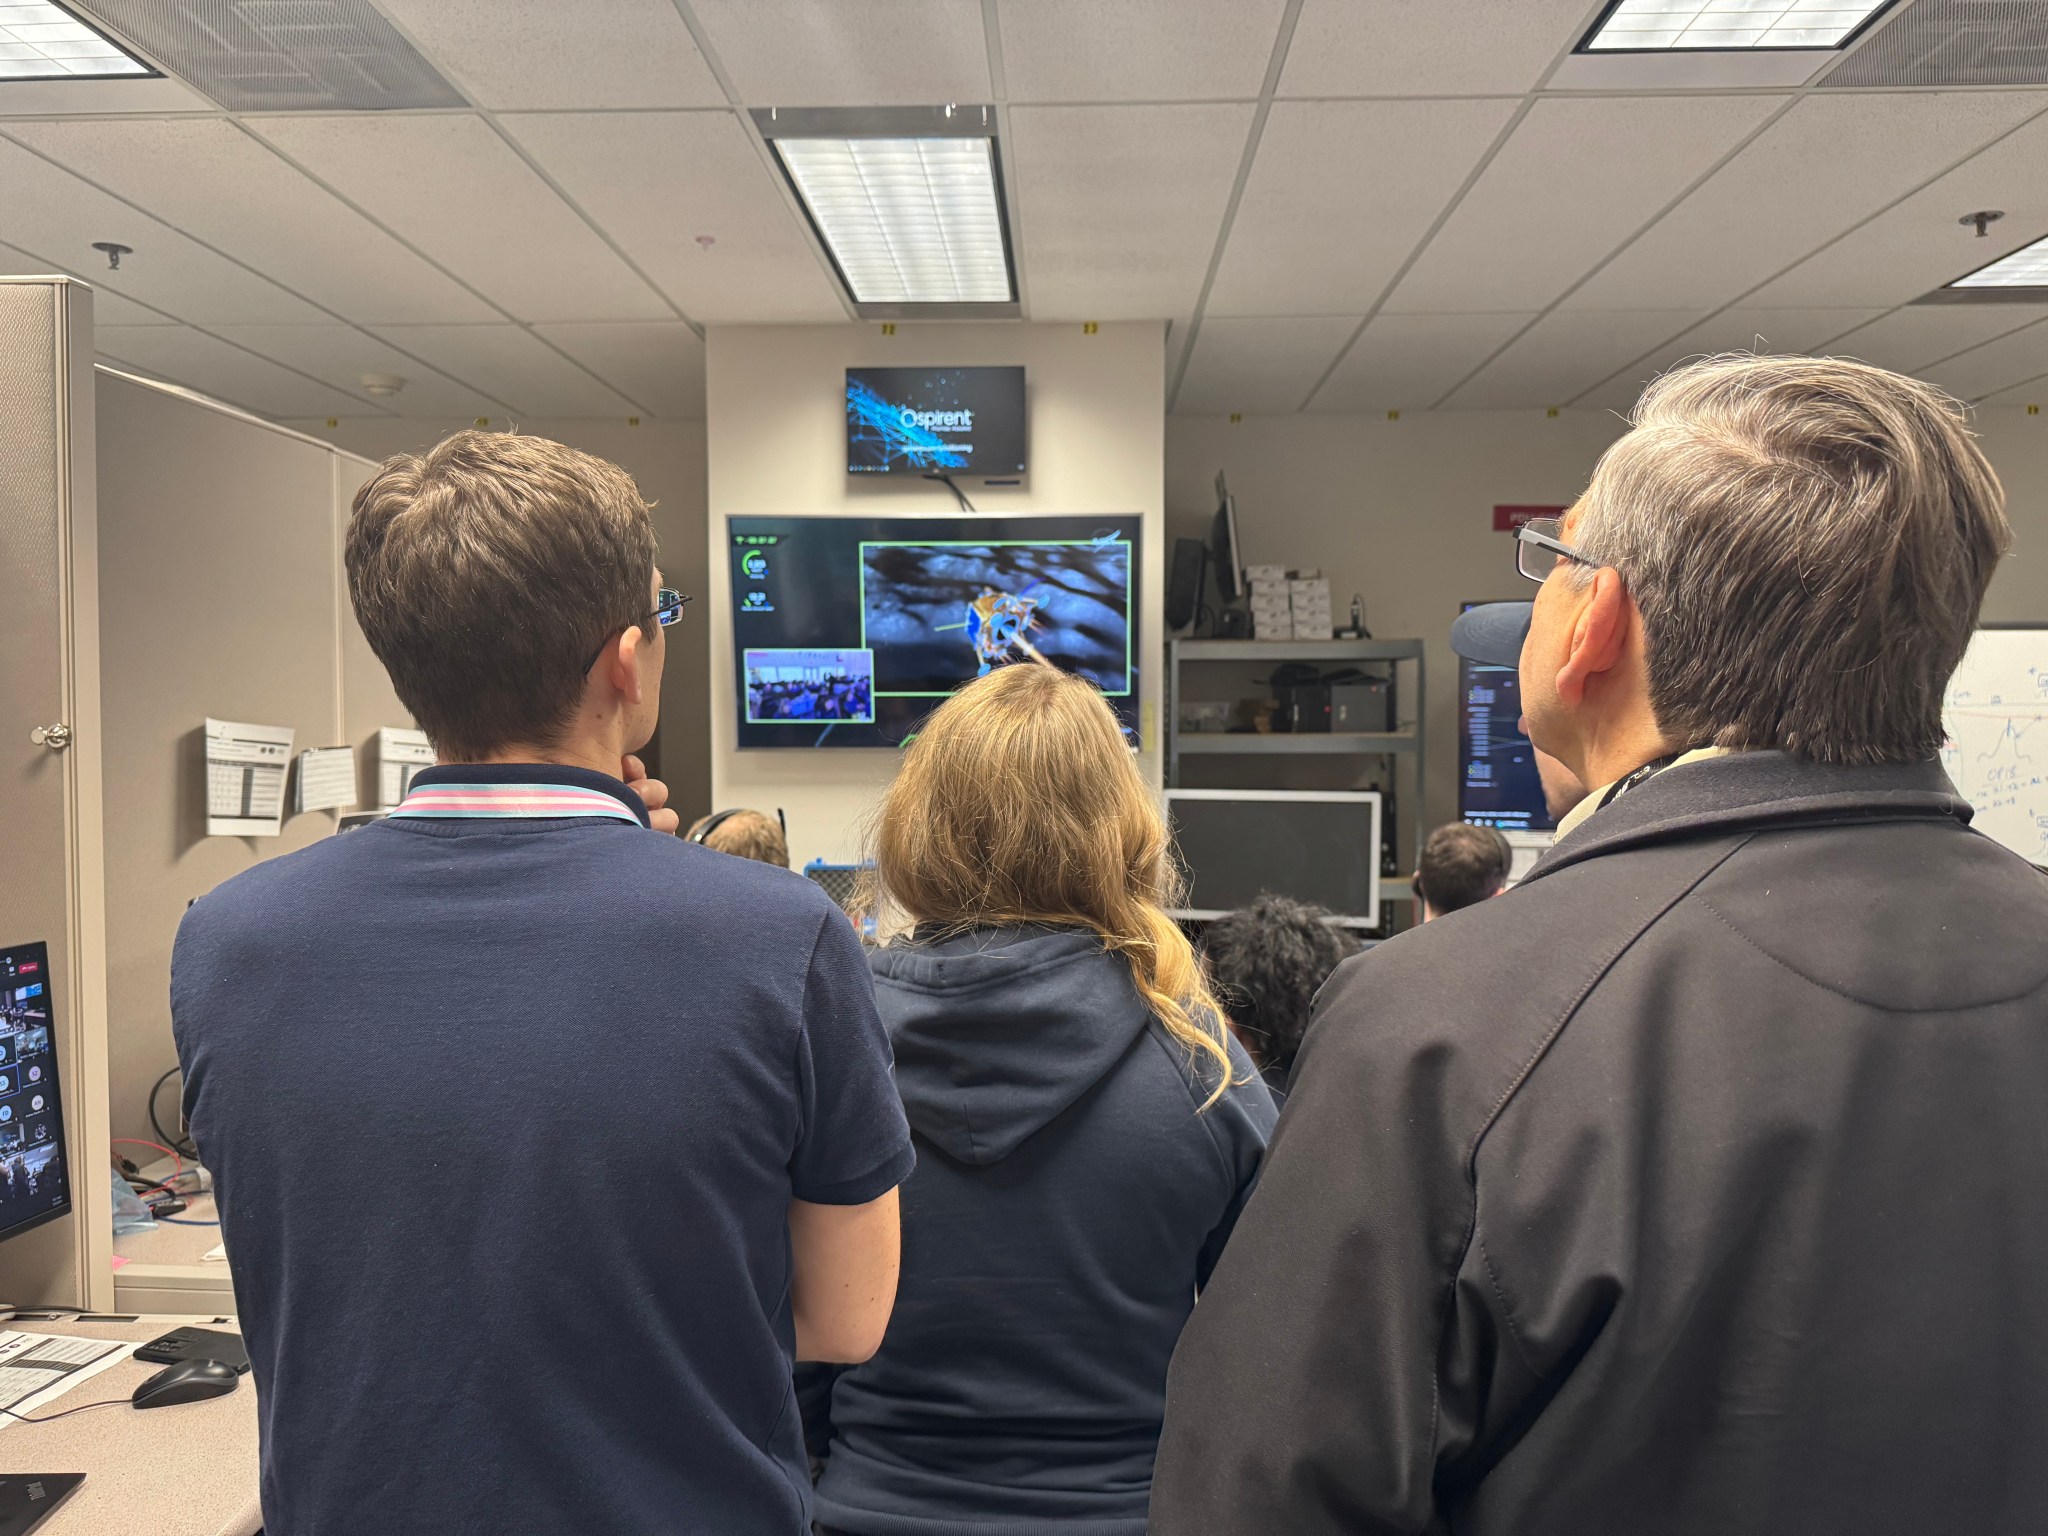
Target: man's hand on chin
[653,793]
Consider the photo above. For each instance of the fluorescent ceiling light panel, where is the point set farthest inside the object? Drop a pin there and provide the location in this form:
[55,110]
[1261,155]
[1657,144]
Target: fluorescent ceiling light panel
[909,220]
[40,41]
[2024,268]
[1650,26]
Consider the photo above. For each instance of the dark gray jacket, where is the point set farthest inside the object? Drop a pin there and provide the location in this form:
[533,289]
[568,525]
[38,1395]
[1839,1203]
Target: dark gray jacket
[1696,1187]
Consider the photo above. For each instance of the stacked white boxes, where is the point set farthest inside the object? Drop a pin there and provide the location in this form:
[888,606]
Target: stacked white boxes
[1272,602]
[1308,600]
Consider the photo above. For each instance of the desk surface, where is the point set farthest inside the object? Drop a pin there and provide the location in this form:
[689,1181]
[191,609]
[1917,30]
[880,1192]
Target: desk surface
[186,1470]
[175,1243]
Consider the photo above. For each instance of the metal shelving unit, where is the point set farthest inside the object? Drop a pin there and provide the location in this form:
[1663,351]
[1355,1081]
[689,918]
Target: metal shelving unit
[1404,745]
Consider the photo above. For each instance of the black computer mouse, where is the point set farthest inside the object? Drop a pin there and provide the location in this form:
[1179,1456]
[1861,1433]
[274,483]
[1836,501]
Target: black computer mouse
[189,1381]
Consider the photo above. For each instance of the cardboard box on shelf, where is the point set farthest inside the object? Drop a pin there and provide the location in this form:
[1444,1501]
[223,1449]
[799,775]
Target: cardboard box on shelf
[1258,573]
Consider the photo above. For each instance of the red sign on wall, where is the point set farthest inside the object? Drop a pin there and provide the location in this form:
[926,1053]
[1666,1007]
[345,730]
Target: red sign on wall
[1508,519]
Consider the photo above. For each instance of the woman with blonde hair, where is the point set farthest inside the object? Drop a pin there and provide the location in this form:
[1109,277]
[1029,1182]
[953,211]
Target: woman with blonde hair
[1087,1130]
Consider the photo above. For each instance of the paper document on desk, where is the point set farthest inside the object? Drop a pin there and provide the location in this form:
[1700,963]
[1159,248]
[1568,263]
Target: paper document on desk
[245,773]
[39,1368]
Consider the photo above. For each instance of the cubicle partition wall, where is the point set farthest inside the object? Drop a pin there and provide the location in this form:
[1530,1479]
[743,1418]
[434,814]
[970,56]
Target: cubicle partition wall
[51,870]
[222,595]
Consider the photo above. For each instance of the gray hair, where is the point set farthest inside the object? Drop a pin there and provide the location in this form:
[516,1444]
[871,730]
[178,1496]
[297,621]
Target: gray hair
[1808,541]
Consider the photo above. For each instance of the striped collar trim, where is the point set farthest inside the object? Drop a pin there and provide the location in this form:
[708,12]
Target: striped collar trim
[446,801]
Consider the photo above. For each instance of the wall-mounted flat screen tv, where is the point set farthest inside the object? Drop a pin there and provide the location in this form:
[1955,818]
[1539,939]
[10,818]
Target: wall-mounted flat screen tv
[848,631]
[935,421]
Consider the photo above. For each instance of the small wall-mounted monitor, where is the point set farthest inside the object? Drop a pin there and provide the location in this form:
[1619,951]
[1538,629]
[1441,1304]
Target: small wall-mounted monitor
[1320,846]
[34,1184]
[935,421]
[848,631]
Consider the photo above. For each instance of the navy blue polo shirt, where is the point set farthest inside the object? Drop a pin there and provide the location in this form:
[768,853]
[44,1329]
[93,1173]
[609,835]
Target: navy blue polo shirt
[506,1107]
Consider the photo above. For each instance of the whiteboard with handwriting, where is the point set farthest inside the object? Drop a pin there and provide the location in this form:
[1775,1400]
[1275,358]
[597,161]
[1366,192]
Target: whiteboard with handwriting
[1997,753]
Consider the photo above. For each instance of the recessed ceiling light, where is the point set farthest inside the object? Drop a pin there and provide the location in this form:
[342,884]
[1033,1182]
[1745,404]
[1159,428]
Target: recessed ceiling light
[908,202]
[2024,268]
[1657,26]
[41,41]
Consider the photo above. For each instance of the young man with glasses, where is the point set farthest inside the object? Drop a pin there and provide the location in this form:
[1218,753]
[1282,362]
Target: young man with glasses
[1693,1187]
[544,1142]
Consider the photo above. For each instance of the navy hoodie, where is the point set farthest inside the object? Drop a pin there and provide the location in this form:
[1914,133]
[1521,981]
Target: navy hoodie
[1067,1202]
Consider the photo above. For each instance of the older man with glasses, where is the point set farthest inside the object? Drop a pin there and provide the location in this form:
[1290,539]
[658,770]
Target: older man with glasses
[1694,1187]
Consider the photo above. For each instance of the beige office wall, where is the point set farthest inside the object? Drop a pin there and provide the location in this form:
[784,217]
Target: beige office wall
[1402,513]
[666,460]
[219,585]
[776,444]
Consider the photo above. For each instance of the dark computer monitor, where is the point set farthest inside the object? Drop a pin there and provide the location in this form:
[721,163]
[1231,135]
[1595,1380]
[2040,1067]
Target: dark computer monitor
[35,1185]
[1223,546]
[1498,785]
[1319,846]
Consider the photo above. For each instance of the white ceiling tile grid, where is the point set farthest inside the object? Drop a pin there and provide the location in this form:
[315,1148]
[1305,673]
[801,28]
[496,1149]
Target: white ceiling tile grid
[1572,183]
[1339,196]
[1826,165]
[1564,354]
[466,199]
[1137,50]
[514,365]
[549,244]
[183,356]
[529,55]
[659,182]
[1429,47]
[1409,362]
[1121,206]
[216,183]
[849,53]
[1265,367]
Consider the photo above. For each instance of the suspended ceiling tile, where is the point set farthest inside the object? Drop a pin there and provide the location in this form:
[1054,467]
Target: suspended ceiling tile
[1564,354]
[1138,50]
[1428,47]
[1409,362]
[1120,206]
[1265,367]
[55,218]
[468,200]
[1762,331]
[533,54]
[661,366]
[1339,195]
[515,366]
[213,181]
[1828,163]
[797,53]
[181,355]
[1912,338]
[1916,245]
[341,355]
[2016,358]
[1571,184]
[2032,391]
[108,307]
[657,181]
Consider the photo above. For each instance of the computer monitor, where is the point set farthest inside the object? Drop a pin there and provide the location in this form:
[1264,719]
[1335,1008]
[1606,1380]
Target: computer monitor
[1320,846]
[1498,785]
[1223,546]
[35,1185]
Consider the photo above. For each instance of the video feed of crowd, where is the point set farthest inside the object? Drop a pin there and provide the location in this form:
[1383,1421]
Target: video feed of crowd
[809,687]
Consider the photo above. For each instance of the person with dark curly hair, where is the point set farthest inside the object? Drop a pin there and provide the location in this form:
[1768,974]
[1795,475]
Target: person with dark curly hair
[1265,963]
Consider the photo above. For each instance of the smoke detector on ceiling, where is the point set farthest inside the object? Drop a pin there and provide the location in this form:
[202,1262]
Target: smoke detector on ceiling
[382,383]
